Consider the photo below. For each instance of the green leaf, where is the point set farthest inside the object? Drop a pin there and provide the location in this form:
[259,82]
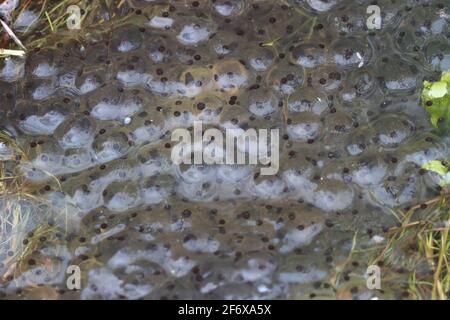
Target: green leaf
[436,100]
[436,166]
[438,89]
[442,169]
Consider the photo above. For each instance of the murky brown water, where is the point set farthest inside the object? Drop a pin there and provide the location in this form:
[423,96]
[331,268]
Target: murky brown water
[95,108]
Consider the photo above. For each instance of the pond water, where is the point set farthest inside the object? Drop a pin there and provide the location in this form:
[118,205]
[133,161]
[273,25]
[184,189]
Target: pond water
[92,112]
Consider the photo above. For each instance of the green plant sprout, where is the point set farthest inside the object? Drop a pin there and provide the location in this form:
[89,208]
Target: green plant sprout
[436,100]
[441,168]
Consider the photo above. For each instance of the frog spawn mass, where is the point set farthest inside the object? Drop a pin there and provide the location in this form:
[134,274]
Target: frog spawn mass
[97,112]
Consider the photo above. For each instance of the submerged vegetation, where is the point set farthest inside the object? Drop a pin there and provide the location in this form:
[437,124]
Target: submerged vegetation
[420,247]
[25,217]
[36,20]
[420,243]
[436,100]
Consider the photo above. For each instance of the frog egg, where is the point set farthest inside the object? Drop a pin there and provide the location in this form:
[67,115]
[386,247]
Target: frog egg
[391,131]
[321,6]
[326,79]
[267,187]
[40,89]
[161,11]
[26,19]
[397,76]
[397,191]
[232,174]
[407,40]
[68,69]
[96,287]
[9,101]
[285,79]
[338,124]
[203,191]
[193,31]
[201,245]
[230,76]
[159,49]
[391,17]
[159,22]
[75,160]
[351,52]
[90,80]
[132,71]
[213,151]
[153,161]
[108,109]
[246,141]
[309,55]
[95,37]
[428,21]
[300,164]
[186,55]
[229,8]
[97,52]
[33,173]
[43,121]
[210,108]
[367,170]
[152,192]
[225,43]
[254,269]
[260,59]
[120,170]
[116,105]
[261,103]
[359,142]
[195,173]
[50,158]
[192,34]
[168,86]
[42,64]
[332,165]
[304,126]
[349,23]
[196,80]
[236,117]
[120,197]
[278,25]
[307,100]
[361,84]
[71,47]
[423,148]
[298,182]
[295,238]
[330,195]
[12,69]
[437,55]
[75,133]
[86,200]
[111,146]
[147,128]
[7,151]
[126,38]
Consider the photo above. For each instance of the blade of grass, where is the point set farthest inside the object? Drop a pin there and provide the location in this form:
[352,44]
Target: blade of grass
[49,21]
[12,35]
[9,52]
